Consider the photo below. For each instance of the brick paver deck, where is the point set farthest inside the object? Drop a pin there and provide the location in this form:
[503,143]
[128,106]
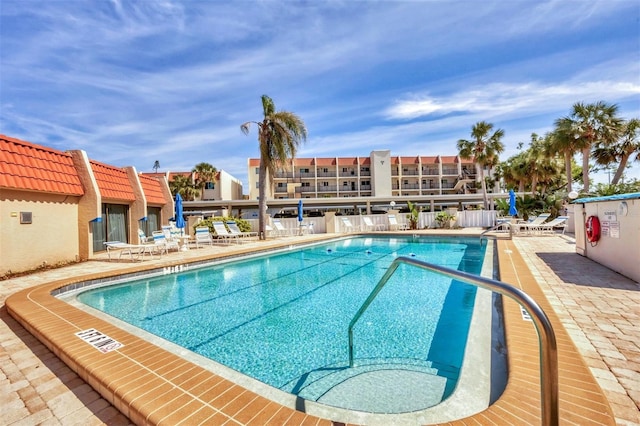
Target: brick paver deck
[597,306]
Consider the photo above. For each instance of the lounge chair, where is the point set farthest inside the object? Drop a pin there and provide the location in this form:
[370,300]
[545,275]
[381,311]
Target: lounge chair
[234,230]
[280,229]
[370,226]
[221,233]
[202,236]
[347,226]
[549,227]
[143,237]
[135,251]
[532,225]
[163,245]
[394,225]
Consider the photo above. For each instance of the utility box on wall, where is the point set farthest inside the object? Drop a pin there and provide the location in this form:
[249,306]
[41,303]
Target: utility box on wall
[617,243]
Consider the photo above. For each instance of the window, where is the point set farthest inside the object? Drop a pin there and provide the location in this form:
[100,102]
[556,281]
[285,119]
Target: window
[325,183]
[345,183]
[305,184]
[257,170]
[304,170]
[364,169]
[406,182]
[344,169]
[325,170]
[209,185]
[280,184]
[366,182]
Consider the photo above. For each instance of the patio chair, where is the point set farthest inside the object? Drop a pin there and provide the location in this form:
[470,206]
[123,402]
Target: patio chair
[549,227]
[533,224]
[221,233]
[279,228]
[143,237]
[202,236]
[394,225]
[135,251]
[347,226]
[234,230]
[161,243]
[370,226]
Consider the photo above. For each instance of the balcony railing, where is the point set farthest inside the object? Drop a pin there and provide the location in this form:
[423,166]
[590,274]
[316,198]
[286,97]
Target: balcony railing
[409,173]
[450,171]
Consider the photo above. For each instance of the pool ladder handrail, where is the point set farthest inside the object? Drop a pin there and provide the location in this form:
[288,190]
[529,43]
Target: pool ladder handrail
[493,228]
[546,335]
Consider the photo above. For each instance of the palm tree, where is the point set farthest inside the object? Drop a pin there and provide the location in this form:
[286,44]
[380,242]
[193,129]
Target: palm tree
[205,173]
[483,148]
[621,151]
[591,124]
[563,141]
[181,184]
[279,135]
[156,166]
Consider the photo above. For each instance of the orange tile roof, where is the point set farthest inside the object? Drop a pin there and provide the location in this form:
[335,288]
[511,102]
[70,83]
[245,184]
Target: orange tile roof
[449,159]
[429,160]
[409,160]
[365,160]
[113,182]
[466,161]
[254,161]
[347,161]
[29,167]
[395,160]
[303,162]
[152,190]
[325,161]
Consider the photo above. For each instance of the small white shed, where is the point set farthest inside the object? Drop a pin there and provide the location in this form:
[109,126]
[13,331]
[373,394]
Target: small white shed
[614,237]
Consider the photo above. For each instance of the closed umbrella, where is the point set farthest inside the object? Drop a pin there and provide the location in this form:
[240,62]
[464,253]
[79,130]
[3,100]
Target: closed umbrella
[512,203]
[179,216]
[300,211]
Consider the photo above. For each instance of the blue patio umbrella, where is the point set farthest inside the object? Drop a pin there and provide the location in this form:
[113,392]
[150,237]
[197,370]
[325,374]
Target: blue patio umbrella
[300,212]
[179,215]
[512,203]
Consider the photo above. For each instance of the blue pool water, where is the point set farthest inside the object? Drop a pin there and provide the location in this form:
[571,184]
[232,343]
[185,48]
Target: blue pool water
[283,318]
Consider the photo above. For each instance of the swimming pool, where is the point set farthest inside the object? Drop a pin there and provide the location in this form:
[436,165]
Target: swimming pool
[286,317]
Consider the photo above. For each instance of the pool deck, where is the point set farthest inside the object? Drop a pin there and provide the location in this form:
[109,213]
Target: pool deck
[593,309]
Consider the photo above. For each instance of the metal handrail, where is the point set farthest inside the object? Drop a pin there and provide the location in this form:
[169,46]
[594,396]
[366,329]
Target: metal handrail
[546,336]
[493,228]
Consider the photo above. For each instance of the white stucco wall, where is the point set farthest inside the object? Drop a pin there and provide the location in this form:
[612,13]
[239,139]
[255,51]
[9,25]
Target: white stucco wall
[619,244]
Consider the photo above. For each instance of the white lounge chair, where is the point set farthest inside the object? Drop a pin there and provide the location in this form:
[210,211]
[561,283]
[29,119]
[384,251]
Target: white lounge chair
[394,225]
[532,225]
[202,236]
[135,251]
[235,230]
[162,244]
[549,227]
[280,229]
[221,232]
[370,226]
[347,226]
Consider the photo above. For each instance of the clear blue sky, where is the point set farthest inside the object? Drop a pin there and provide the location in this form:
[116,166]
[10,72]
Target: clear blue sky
[135,82]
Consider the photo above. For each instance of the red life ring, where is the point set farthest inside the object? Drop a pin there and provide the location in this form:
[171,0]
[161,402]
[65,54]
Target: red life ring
[593,229]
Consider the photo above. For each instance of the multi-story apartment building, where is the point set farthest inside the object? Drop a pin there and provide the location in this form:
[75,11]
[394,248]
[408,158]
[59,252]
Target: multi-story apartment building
[378,175]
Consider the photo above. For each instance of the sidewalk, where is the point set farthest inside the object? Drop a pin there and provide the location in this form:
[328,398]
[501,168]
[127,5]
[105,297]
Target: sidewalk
[601,311]
[599,308]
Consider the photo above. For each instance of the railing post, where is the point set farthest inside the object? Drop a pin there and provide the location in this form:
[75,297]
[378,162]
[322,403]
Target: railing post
[546,336]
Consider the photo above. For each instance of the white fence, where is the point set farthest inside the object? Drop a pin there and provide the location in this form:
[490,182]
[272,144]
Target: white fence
[426,220]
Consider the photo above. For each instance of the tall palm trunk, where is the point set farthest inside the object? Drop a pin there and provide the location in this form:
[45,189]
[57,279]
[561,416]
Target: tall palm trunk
[262,200]
[483,184]
[567,165]
[620,170]
[586,153]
